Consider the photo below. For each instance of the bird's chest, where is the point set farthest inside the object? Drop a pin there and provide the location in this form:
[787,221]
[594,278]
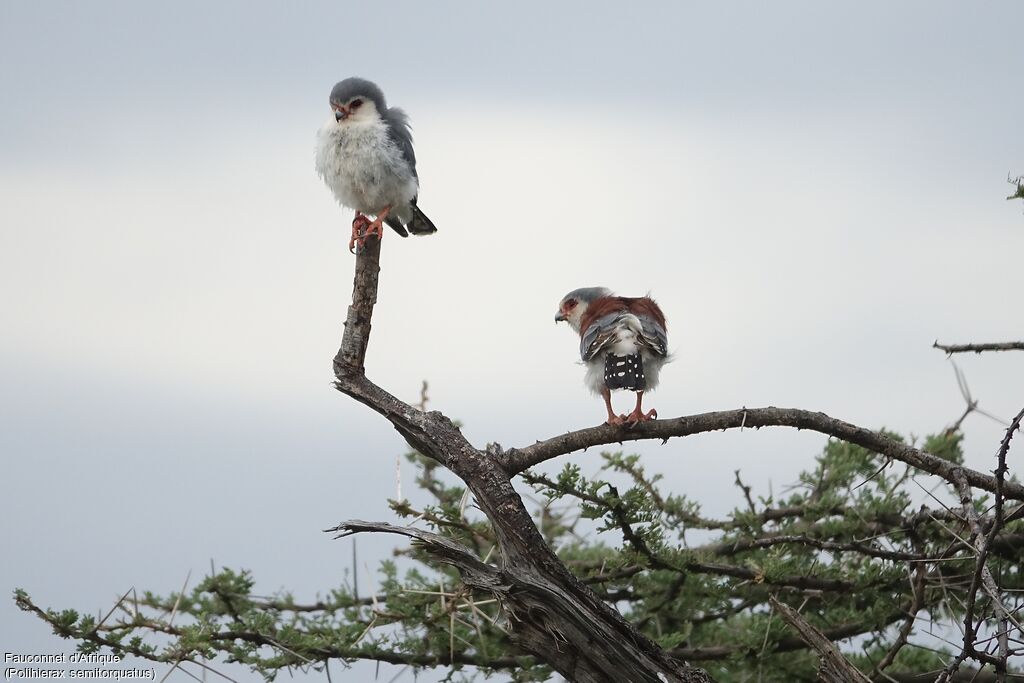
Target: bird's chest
[361,165]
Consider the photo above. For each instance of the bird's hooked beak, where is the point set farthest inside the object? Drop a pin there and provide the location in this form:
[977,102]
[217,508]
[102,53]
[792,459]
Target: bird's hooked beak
[340,114]
[560,317]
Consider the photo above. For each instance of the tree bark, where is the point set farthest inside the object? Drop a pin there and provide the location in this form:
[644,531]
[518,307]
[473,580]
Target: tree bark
[832,667]
[519,459]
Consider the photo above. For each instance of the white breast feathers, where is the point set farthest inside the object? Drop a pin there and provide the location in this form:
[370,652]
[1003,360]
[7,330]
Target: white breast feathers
[364,167]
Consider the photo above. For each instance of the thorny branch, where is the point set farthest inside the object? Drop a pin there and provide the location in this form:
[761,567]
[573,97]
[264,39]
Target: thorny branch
[917,587]
[981,542]
[517,460]
[978,348]
[553,617]
[547,598]
[834,667]
[1018,184]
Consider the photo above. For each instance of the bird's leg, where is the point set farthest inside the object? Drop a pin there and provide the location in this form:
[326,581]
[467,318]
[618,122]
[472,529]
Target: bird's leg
[638,414]
[376,227]
[613,419]
[359,223]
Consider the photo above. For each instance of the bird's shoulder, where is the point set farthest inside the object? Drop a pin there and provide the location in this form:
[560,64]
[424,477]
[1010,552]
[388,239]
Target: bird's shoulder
[601,310]
[400,131]
[608,309]
[644,306]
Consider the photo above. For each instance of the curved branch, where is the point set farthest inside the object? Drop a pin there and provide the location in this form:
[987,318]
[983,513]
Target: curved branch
[517,460]
[552,614]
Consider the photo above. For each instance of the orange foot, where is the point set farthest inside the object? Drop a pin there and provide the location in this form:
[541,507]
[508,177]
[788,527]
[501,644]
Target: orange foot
[359,224]
[375,227]
[639,416]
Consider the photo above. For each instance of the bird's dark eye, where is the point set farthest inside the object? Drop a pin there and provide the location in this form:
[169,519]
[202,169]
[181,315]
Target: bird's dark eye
[570,304]
[355,104]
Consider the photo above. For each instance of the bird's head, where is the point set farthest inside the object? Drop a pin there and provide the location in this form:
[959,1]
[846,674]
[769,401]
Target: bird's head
[574,304]
[357,100]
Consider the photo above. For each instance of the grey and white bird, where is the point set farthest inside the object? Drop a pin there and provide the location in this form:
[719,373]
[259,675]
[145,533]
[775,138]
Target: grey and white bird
[364,154]
[623,343]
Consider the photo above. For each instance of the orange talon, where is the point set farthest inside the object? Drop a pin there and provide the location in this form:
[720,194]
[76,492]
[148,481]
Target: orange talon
[638,414]
[359,224]
[375,227]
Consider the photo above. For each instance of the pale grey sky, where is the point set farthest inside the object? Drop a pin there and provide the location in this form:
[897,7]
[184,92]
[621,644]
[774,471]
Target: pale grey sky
[814,193]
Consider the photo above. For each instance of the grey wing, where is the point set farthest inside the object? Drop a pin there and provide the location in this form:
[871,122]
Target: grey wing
[599,334]
[401,133]
[654,337]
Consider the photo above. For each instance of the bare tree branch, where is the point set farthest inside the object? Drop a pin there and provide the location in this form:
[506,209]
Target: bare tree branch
[517,460]
[917,587]
[982,577]
[552,614]
[475,573]
[978,348]
[833,667]
[982,542]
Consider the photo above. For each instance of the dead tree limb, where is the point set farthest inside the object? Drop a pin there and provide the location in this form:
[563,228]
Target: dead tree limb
[833,666]
[978,348]
[552,615]
[519,459]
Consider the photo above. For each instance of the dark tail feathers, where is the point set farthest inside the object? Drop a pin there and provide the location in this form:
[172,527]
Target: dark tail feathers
[396,225]
[624,372]
[420,224]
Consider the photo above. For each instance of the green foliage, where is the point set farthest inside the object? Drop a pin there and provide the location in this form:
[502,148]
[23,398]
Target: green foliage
[839,546]
[1018,184]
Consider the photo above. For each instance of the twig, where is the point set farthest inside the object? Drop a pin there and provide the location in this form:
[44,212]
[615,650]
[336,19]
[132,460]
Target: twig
[965,391]
[834,667]
[978,348]
[983,578]
[177,602]
[997,526]
[1018,182]
[422,405]
[746,493]
[917,586]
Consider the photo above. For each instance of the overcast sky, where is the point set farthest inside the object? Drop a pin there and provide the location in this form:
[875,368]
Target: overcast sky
[812,191]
